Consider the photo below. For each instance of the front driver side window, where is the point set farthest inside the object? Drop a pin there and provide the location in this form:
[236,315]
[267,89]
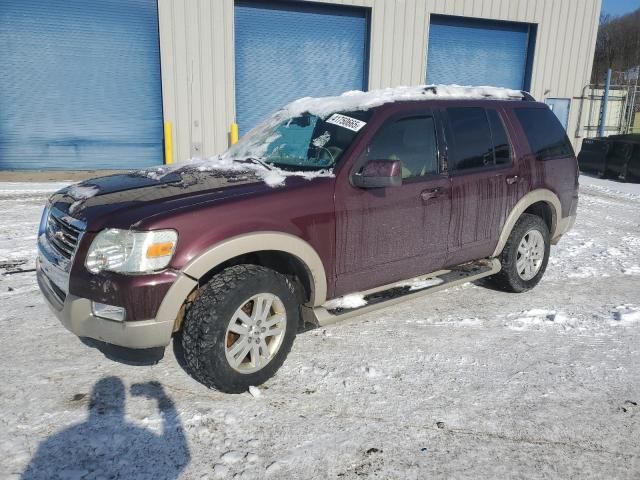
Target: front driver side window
[412,140]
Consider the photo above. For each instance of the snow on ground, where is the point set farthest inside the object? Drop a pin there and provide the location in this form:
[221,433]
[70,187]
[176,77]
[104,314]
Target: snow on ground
[464,383]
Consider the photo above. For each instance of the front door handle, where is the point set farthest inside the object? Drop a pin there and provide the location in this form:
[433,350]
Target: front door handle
[427,195]
[513,179]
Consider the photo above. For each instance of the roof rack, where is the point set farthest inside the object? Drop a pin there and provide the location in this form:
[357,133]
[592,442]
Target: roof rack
[525,96]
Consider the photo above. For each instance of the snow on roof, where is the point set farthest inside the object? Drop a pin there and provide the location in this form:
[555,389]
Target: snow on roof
[253,144]
[357,100]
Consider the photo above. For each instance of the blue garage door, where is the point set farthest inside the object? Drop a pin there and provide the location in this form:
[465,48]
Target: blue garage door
[469,51]
[80,84]
[286,51]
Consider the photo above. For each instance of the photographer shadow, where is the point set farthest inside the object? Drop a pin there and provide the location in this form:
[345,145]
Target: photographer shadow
[107,446]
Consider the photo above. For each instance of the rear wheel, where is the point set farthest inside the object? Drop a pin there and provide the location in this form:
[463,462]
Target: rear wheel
[525,256]
[239,330]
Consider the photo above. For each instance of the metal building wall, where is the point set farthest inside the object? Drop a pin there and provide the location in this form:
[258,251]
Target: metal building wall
[197,56]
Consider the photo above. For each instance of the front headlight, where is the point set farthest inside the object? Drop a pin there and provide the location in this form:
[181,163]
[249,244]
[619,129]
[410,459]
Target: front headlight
[126,251]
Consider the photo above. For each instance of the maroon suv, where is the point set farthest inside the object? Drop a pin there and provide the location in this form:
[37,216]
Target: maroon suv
[333,206]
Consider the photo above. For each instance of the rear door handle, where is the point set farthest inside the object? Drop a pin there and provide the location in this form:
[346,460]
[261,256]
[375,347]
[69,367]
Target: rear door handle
[427,195]
[513,179]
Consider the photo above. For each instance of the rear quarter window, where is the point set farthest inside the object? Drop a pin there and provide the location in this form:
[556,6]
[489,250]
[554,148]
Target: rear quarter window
[544,132]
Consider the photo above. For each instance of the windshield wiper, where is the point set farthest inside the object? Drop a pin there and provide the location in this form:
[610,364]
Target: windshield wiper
[256,161]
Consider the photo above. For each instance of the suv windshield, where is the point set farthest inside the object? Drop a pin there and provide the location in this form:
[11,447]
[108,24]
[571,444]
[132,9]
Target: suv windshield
[305,142]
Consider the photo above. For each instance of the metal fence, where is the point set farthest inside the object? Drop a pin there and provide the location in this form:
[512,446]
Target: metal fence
[623,111]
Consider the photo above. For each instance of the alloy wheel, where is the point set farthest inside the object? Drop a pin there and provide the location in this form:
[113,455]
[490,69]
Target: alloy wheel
[530,254]
[255,333]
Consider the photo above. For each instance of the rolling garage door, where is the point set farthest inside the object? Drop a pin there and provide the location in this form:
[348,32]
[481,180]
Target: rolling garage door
[286,51]
[468,51]
[80,84]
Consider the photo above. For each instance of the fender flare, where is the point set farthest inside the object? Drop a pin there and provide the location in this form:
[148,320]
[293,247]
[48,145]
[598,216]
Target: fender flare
[535,196]
[263,241]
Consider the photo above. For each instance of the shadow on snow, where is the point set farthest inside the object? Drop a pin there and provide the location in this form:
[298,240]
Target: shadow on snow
[107,446]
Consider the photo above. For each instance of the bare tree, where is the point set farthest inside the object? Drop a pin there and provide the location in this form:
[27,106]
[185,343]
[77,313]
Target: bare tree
[617,45]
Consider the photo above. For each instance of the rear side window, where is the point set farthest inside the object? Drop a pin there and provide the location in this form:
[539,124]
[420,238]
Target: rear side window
[544,132]
[469,138]
[501,145]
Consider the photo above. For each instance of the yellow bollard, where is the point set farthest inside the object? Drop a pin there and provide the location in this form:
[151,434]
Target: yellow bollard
[168,144]
[234,133]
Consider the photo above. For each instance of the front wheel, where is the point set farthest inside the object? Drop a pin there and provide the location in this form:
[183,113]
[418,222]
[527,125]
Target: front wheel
[525,256]
[239,330]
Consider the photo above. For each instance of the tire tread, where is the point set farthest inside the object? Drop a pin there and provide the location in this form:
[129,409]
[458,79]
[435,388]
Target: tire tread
[508,279]
[202,322]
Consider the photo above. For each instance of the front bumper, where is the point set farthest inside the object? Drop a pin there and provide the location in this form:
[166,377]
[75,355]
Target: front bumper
[76,315]
[152,302]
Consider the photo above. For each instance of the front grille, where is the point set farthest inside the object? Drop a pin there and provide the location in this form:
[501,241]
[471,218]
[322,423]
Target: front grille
[62,235]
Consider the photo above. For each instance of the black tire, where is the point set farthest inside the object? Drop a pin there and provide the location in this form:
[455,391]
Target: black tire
[508,279]
[204,331]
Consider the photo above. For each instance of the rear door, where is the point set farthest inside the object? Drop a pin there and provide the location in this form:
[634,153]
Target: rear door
[483,179]
[388,234]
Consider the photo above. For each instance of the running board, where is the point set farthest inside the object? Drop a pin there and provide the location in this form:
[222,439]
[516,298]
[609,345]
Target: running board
[397,292]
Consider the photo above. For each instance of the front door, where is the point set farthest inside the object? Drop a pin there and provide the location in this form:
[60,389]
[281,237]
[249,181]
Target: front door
[483,180]
[388,234]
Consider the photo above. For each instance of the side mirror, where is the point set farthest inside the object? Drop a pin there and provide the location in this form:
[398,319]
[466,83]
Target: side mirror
[379,174]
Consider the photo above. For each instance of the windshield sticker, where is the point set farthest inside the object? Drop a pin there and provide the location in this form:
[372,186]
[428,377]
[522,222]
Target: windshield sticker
[347,122]
[322,140]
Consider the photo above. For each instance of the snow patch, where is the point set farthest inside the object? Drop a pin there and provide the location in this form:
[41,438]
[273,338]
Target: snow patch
[470,322]
[356,100]
[220,471]
[322,140]
[274,469]
[353,300]
[269,174]
[255,391]
[82,192]
[538,318]
[232,457]
[631,270]
[610,187]
[420,283]
[586,272]
[371,372]
[626,314]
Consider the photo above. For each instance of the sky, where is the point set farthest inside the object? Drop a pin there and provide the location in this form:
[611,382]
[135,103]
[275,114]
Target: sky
[619,7]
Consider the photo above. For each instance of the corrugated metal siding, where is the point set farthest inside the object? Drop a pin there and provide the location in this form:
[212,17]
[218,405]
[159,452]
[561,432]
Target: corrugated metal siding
[196,51]
[197,54]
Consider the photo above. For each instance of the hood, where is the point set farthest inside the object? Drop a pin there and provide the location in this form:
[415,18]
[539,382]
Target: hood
[121,200]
